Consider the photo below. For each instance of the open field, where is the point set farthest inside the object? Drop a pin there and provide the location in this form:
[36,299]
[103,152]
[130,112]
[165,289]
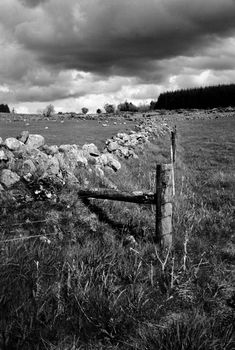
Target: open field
[68,131]
[209,149]
[85,285]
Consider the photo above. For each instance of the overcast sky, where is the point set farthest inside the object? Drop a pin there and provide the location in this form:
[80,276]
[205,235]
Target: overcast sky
[84,53]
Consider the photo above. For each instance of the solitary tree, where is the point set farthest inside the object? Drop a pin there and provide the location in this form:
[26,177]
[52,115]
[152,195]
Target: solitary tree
[48,111]
[98,111]
[4,108]
[109,108]
[85,110]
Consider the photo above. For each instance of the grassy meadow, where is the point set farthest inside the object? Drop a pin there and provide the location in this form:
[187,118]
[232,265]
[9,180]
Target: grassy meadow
[65,131]
[85,283]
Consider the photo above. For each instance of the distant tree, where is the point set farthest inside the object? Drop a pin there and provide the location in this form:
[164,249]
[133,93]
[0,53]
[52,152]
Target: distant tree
[4,108]
[109,108]
[85,110]
[98,111]
[48,111]
[143,108]
[127,107]
[153,105]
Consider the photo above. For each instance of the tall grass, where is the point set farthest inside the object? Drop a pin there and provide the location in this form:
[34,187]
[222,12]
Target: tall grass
[94,279]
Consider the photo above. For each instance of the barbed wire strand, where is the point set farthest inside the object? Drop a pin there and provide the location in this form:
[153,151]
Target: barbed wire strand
[24,238]
[24,223]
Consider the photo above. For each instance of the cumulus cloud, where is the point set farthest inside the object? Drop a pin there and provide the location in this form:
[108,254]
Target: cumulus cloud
[57,50]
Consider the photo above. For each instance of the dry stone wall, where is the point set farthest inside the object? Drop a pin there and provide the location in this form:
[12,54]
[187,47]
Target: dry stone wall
[27,159]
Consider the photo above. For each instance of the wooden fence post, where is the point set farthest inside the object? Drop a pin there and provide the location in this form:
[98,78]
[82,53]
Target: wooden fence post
[173,155]
[173,144]
[164,205]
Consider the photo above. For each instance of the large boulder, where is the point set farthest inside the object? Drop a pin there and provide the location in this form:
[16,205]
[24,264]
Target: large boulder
[90,150]
[7,159]
[122,152]
[3,155]
[125,152]
[113,146]
[53,166]
[35,141]
[102,160]
[61,159]
[50,150]
[67,148]
[70,157]
[123,136]
[71,179]
[23,137]
[13,144]
[9,178]
[107,159]
[28,168]
[39,159]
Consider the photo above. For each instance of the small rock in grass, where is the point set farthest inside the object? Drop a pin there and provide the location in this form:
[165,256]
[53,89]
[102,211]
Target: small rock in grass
[130,241]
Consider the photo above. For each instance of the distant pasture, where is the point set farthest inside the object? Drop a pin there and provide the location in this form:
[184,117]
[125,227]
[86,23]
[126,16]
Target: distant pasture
[67,131]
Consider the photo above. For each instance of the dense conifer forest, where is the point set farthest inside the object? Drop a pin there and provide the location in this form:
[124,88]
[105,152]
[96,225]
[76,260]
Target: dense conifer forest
[4,108]
[204,97]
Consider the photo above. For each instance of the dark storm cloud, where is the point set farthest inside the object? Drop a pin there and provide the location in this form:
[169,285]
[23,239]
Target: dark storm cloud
[32,3]
[125,37]
[46,94]
[55,50]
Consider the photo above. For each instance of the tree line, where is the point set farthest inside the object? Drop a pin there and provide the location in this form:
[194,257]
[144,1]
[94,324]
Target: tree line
[198,98]
[203,97]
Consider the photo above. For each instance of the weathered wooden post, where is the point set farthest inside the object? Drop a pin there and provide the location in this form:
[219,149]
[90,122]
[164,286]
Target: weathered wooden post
[164,198]
[173,154]
[173,144]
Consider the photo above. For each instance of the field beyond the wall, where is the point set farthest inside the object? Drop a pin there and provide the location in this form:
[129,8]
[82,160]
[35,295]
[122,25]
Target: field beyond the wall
[92,276]
[57,132]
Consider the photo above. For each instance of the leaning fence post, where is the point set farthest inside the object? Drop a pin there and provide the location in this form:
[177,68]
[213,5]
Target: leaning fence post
[164,205]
